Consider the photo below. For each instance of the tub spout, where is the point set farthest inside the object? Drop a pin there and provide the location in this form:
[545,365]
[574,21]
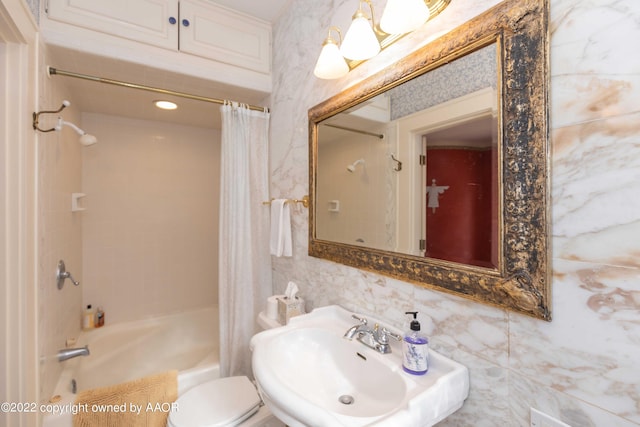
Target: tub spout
[70,353]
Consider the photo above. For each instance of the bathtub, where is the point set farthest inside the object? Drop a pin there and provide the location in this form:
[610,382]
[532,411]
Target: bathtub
[123,352]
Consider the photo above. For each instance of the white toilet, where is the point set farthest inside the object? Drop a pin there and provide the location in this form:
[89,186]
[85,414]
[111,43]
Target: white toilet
[231,401]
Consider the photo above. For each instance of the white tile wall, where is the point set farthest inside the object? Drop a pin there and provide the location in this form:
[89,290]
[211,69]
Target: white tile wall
[150,231]
[60,232]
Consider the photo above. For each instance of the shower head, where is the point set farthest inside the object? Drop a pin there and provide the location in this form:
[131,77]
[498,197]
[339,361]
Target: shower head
[85,138]
[352,166]
[88,139]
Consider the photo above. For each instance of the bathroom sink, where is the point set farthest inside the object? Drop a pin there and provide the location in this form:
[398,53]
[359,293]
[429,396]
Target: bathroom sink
[309,375]
[331,368]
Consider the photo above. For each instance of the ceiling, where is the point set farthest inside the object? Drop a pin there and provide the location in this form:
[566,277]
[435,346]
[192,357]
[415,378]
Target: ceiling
[94,97]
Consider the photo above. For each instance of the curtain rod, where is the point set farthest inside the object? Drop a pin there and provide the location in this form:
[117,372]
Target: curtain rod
[54,71]
[364,132]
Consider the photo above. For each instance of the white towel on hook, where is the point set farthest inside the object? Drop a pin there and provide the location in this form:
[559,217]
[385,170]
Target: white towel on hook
[280,242]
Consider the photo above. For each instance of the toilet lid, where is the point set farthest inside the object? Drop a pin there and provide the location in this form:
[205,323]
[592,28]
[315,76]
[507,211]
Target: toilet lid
[221,402]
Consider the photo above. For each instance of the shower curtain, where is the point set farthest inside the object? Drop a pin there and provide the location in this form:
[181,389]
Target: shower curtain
[244,260]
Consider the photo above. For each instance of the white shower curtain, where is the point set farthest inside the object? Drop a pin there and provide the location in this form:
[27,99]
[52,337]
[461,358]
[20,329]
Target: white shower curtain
[244,260]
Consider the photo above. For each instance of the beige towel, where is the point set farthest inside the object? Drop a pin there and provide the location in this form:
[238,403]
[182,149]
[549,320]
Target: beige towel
[145,402]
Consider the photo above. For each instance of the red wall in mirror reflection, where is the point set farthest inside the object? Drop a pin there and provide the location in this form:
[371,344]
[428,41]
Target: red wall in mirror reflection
[462,228]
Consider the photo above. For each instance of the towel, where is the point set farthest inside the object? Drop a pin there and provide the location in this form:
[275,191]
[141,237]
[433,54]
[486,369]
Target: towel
[280,242]
[139,403]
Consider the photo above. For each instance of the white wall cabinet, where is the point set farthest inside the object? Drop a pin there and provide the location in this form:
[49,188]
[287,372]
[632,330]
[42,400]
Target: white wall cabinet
[197,27]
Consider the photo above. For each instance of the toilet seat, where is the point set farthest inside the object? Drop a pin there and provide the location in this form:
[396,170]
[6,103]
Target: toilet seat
[221,402]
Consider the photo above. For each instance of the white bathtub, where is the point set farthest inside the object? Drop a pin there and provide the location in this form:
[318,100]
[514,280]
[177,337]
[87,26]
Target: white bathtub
[123,352]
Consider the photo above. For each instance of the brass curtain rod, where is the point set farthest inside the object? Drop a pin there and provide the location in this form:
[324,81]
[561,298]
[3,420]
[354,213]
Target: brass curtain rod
[364,132]
[55,71]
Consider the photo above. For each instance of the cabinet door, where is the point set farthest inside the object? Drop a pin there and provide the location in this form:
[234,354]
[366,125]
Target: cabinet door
[224,35]
[149,21]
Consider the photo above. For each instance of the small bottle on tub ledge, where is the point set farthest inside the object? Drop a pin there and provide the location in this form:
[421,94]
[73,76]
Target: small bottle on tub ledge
[89,318]
[99,317]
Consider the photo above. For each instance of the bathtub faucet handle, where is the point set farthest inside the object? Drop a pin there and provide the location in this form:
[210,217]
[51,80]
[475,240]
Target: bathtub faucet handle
[62,274]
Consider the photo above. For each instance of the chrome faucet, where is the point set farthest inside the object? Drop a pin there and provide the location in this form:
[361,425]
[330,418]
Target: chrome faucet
[70,353]
[376,338]
[356,329]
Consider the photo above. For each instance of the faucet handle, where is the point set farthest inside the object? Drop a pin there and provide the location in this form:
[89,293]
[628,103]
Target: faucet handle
[62,274]
[360,319]
[385,334]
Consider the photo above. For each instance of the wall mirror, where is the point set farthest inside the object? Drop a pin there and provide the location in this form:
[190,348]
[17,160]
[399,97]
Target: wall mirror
[435,170]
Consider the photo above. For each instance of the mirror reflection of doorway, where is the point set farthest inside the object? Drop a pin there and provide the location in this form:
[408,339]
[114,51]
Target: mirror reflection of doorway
[461,186]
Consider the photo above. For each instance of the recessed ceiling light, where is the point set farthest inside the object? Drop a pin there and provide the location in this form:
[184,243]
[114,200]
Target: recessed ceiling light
[166,105]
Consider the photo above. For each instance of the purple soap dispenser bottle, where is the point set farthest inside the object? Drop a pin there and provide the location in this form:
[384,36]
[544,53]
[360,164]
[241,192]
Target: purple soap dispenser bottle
[415,348]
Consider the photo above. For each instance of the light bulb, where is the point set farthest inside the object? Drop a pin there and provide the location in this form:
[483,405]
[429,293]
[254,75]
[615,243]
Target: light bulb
[403,16]
[165,105]
[331,63]
[360,42]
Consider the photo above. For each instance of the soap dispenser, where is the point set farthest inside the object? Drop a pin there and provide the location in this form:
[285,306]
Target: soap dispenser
[415,348]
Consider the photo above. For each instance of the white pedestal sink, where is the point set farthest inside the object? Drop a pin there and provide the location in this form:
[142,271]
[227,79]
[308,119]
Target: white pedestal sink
[309,375]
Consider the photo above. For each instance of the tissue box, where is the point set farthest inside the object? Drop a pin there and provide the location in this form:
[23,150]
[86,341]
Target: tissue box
[288,308]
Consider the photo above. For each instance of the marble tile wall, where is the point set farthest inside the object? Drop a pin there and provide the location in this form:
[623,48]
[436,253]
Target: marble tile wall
[34,6]
[580,368]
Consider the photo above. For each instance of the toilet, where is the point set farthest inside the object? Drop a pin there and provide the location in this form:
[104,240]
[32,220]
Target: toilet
[231,401]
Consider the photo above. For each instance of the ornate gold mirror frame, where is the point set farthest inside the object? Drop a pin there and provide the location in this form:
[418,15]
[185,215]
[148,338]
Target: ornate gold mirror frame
[521,283]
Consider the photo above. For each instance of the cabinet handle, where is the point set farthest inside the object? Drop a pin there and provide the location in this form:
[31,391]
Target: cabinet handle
[186,22]
[172,20]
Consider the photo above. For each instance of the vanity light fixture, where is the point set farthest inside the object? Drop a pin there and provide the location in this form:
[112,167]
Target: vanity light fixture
[403,16]
[360,43]
[165,105]
[365,38]
[331,63]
